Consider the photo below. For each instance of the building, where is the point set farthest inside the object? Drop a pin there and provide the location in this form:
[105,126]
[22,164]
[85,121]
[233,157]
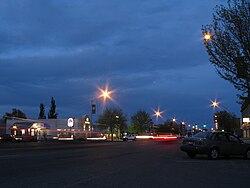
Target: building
[43,129]
[245,113]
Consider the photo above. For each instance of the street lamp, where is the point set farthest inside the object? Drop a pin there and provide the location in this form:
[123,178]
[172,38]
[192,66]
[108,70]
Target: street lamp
[182,126]
[157,114]
[105,94]
[207,36]
[215,104]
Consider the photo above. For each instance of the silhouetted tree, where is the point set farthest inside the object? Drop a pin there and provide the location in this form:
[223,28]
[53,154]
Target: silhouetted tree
[42,112]
[166,127]
[229,45]
[227,121]
[52,112]
[114,120]
[170,126]
[141,122]
[15,113]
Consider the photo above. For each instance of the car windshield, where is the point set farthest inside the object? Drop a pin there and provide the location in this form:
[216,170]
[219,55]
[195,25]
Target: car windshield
[202,135]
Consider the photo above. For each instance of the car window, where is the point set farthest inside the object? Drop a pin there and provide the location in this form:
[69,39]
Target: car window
[221,137]
[202,135]
[233,138]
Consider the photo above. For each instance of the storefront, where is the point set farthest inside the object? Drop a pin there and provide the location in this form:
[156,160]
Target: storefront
[245,111]
[29,131]
[43,129]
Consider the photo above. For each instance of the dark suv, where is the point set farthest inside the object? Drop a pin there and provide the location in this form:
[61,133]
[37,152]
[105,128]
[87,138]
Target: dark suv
[215,144]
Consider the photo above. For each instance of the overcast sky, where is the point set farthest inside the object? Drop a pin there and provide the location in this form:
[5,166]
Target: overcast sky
[149,51]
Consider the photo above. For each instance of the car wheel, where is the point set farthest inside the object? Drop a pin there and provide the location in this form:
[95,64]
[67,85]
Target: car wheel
[191,155]
[247,155]
[213,153]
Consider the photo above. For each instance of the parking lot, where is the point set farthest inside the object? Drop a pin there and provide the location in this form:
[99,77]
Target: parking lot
[115,164]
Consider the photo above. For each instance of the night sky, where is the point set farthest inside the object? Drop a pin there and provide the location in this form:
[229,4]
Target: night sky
[150,52]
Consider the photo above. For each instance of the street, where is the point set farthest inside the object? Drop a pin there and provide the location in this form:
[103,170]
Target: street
[115,164]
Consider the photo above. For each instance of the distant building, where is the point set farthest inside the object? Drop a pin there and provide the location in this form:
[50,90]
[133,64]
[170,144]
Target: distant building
[39,129]
[2,126]
[245,112]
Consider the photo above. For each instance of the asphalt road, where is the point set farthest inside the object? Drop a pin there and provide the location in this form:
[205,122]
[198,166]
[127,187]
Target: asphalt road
[115,164]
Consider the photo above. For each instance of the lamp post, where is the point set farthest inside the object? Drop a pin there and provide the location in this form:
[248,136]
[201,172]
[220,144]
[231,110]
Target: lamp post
[215,104]
[182,127]
[118,127]
[105,94]
[172,124]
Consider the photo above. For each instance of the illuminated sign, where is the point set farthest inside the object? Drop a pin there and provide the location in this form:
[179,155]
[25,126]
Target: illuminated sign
[246,120]
[70,122]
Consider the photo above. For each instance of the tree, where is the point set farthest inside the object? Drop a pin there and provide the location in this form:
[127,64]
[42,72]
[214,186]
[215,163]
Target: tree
[15,113]
[170,126]
[227,121]
[114,120]
[227,41]
[164,128]
[42,112]
[52,112]
[141,122]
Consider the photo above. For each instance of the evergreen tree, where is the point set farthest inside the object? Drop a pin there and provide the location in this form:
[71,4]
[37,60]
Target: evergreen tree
[42,112]
[52,112]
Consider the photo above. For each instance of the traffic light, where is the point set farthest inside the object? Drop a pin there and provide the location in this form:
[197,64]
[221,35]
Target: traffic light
[93,108]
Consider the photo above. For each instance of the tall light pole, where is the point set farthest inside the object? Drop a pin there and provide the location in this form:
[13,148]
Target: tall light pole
[105,94]
[215,104]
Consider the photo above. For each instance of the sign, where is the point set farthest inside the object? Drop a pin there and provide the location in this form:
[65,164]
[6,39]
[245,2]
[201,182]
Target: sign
[70,122]
[93,108]
[246,120]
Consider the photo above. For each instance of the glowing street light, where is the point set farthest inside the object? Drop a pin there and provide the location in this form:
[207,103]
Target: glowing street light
[105,94]
[207,36]
[215,103]
[157,114]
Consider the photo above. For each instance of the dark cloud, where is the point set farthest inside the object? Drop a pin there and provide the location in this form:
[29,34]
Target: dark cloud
[150,52]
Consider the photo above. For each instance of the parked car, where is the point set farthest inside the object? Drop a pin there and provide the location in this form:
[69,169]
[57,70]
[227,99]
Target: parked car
[129,137]
[215,144]
[7,138]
